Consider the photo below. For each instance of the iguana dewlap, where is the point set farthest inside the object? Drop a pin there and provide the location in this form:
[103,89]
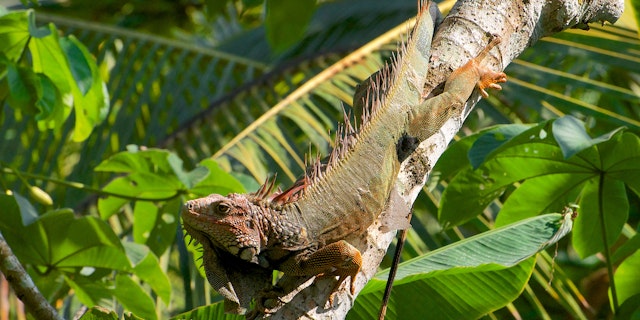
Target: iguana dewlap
[303,230]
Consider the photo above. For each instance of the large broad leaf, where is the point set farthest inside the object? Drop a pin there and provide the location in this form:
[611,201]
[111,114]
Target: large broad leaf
[551,175]
[128,293]
[14,33]
[147,268]
[218,181]
[531,154]
[155,225]
[90,96]
[153,175]
[468,278]
[24,88]
[627,278]
[572,138]
[48,59]
[58,239]
[134,298]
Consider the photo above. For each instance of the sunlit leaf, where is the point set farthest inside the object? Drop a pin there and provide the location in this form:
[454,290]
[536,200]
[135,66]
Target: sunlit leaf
[146,266]
[218,181]
[163,233]
[189,179]
[142,185]
[153,174]
[57,239]
[88,291]
[133,298]
[572,137]
[627,277]
[14,33]
[491,140]
[601,200]
[78,65]
[99,313]
[468,278]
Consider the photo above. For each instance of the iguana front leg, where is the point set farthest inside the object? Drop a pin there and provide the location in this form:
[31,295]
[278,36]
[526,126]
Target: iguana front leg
[426,118]
[335,259]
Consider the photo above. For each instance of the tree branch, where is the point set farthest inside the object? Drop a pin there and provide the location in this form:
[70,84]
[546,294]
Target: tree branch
[520,24]
[22,284]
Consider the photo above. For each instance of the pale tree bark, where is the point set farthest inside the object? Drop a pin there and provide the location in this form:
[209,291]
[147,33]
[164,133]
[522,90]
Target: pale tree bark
[23,286]
[520,24]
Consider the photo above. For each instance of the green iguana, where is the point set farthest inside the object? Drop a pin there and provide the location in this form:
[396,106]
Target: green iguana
[301,231]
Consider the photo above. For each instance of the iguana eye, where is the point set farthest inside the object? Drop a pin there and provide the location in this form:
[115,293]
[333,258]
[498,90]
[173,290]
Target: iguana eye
[223,208]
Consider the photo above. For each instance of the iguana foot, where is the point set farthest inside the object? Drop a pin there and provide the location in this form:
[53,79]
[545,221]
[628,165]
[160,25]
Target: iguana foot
[269,300]
[490,79]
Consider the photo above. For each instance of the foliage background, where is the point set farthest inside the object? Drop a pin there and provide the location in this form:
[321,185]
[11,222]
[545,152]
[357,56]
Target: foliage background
[211,80]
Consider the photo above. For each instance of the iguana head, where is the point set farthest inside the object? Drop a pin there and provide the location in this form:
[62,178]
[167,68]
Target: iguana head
[229,223]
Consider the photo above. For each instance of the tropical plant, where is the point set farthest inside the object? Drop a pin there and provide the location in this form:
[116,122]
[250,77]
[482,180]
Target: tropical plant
[252,113]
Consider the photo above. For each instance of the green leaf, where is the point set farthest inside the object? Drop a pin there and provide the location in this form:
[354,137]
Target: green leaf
[538,195]
[189,179]
[34,30]
[621,159]
[81,242]
[14,34]
[630,309]
[152,176]
[216,7]
[145,186]
[572,137]
[27,211]
[18,212]
[212,311]
[59,240]
[24,89]
[99,313]
[135,160]
[491,140]
[48,58]
[626,249]
[89,291]
[454,159]
[50,100]
[131,316]
[610,196]
[157,228]
[146,266]
[80,67]
[133,298]
[218,181]
[90,107]
[471,277]
[286,21]
[145,214]
[471,191]
[627,277]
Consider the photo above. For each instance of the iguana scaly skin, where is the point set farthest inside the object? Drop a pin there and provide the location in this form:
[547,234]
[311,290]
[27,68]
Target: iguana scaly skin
[301,231]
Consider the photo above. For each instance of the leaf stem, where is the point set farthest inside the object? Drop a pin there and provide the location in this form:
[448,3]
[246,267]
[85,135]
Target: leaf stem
[84,187]
[606,251]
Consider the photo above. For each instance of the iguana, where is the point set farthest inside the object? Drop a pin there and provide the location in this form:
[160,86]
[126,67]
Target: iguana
[303,230]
